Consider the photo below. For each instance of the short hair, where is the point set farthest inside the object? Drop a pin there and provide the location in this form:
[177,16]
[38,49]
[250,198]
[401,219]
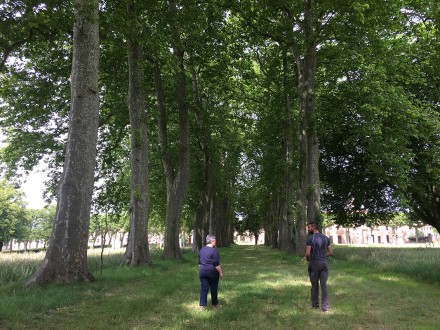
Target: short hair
[210,238]
[313,224]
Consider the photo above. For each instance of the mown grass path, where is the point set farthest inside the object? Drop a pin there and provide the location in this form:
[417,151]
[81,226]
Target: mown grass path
[262,289]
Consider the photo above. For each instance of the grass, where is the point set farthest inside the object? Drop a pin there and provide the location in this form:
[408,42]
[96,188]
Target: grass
[262,289]
[420,262]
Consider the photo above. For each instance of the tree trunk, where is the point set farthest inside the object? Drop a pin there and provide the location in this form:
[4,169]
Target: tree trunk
[137,251]
[176,183]
[271,227]
[172,226]
[220,224]
[286,236]
[199,215]
[308,201]
[177,179]
[202,213]
[66,257]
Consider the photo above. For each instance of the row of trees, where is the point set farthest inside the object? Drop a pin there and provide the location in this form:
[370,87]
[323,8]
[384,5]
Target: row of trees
[197,112]
[20,223]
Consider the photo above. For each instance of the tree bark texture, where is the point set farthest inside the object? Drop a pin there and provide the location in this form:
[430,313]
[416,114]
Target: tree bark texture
[286,232]
[270,224]
[202,214]
[221,219]
[177,179]
[137,251]
[66,257]
[308,199]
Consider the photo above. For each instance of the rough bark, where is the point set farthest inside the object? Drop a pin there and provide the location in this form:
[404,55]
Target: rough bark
[271,232]
[286,233]
[137,251]
[66,257]
[202,213]
[283,227]
[177,178]
[308,199]
[221,219]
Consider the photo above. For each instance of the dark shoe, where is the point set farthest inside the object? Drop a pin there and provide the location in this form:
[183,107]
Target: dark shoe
[313,307]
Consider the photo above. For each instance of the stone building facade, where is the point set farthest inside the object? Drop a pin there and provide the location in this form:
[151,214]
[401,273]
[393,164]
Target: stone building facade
[382,235]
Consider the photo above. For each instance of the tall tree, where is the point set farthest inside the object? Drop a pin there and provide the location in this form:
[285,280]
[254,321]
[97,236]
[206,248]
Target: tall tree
[212,96]
[202,211]
[137,251]
[66,257]
[422,193]
[286,243]
[297,27]
[303,46]
[177,178]
[379,146]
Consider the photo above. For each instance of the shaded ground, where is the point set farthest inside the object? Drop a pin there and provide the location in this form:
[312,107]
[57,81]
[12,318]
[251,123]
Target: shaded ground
[262,289]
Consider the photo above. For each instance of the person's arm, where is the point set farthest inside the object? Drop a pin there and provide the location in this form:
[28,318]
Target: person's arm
[216,262]
[308,252]
[329,251]
[219,269]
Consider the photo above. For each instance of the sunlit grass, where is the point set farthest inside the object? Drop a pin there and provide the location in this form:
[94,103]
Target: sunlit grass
[262,289]
[16,267]
[19,266]
[418,262]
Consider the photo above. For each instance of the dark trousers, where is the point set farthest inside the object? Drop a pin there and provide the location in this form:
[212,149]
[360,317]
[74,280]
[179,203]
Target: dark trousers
[318,273]
[208,283]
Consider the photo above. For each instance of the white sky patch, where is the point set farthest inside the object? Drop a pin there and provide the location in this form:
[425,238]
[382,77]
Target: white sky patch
[34,185]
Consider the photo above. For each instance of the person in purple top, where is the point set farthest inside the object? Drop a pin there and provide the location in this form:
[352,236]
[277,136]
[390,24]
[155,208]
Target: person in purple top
[317,249]
[210,272]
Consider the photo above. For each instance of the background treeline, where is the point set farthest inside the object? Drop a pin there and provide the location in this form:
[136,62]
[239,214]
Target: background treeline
[253,114]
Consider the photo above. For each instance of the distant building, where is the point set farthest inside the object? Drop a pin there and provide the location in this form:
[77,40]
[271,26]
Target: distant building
[363,235]
[383,235]
[116,240]
[249,238]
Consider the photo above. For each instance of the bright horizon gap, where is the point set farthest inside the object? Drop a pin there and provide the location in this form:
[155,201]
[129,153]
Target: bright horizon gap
[34,186]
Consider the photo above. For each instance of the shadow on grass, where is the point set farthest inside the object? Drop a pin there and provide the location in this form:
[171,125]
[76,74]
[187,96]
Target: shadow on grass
[262,289]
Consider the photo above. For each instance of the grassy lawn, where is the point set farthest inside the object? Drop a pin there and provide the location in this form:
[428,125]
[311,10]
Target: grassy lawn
[262,289]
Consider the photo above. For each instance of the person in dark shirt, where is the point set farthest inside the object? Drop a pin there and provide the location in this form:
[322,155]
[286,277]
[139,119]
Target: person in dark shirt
[210,272]
[317,249]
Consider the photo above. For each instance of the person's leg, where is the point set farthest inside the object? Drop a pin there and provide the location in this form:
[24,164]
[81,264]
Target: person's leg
[204,288]
[213,285]
[324,293]
[314,279]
